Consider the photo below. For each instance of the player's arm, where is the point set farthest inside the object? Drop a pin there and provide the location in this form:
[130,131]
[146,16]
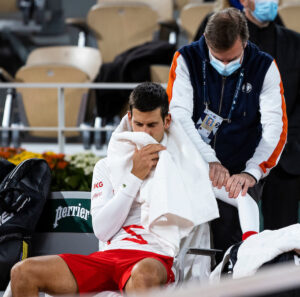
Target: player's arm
[109,210]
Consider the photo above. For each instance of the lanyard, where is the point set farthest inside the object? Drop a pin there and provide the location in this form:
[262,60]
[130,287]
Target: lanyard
[236,92]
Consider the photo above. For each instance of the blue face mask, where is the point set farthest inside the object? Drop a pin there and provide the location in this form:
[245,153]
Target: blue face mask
[223,69]
[265,11]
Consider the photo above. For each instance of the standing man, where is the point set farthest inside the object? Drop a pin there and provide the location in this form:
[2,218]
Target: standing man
[227,78]
[281,192]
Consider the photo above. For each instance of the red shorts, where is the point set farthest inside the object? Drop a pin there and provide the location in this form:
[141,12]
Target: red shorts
[109,270]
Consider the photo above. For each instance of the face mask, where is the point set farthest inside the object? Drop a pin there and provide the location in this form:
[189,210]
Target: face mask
[223,69]
[265,11]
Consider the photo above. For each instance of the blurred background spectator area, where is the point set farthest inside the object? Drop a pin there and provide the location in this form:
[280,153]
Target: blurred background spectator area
[28,24]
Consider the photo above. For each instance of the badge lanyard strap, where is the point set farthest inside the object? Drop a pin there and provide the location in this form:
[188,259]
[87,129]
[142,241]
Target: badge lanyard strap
[205,95]
[236,92]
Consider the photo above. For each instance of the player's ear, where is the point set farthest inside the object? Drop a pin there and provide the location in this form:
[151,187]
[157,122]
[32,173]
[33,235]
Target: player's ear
[167,121]
[129,114]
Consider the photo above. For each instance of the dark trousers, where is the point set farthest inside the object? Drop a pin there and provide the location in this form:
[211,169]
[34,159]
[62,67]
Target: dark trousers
[280,199]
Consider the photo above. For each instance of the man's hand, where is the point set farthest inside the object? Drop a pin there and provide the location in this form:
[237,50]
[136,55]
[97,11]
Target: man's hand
[218,174]
[145,159]
[238,182]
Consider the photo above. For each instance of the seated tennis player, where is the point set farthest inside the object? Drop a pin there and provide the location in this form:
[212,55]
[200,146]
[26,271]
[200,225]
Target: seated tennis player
[134,194]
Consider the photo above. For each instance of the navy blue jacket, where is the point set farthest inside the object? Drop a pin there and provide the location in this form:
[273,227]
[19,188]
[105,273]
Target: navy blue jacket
[235,142]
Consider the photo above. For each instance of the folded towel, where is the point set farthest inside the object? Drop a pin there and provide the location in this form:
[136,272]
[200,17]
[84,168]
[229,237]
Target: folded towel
[263,247]
[258,250]
[178,194]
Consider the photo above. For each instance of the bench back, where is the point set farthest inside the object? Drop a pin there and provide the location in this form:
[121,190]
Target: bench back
[65,226]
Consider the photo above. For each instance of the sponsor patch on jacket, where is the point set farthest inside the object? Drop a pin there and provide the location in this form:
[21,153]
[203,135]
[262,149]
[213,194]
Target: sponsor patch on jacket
[98,185]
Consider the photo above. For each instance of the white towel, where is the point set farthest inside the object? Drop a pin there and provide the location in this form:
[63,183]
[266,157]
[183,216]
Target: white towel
[177,195]
[263,247]
[259,249]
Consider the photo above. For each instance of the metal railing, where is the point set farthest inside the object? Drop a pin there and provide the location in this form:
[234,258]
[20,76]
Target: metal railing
[60,128]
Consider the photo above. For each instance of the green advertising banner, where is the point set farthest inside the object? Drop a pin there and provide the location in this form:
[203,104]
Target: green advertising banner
[66,212]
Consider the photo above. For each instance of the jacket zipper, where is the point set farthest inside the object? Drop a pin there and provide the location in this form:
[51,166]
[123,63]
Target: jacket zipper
[220,106]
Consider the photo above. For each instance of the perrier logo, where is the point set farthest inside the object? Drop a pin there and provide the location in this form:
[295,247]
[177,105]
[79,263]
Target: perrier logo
[70,211]
[66,215]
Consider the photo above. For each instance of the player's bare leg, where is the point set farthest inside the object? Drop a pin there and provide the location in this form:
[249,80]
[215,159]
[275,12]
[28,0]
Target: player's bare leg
[147,273]
[49,274]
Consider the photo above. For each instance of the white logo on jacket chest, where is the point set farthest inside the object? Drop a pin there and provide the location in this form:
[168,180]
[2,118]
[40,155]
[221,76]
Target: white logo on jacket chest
[246,88]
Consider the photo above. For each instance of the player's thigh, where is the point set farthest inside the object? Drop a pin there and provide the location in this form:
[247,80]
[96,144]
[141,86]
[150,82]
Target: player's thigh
[50,274]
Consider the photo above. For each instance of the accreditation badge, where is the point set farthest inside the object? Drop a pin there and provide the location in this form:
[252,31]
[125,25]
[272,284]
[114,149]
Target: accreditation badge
[208,124]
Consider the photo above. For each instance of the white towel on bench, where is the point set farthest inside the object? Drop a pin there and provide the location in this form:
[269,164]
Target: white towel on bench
[263,247]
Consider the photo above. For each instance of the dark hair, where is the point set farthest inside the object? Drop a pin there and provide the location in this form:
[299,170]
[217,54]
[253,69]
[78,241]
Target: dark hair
[225,27]
[148,96]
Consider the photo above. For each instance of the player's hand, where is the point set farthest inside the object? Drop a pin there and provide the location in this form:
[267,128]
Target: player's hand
[145,159]
[218,174]
[239,182]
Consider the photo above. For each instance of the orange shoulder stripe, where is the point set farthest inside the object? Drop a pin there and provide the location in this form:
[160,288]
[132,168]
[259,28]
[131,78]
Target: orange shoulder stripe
[172,76]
